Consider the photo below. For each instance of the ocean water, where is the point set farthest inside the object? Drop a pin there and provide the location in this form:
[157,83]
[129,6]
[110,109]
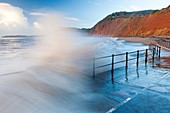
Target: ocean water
[15,57]
[49,83]
[12,52]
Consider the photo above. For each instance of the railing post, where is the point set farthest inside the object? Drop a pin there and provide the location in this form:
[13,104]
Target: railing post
[153,55]
[146,56]
[93,67]
[126,75]
[137,72]
[137,63]
[126,61]
[112,67]
[159,52]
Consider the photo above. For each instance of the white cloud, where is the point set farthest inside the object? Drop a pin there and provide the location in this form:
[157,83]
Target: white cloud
[11,16]
[46,14]
[12,19]
[72,19]
[37,14]
[37,25]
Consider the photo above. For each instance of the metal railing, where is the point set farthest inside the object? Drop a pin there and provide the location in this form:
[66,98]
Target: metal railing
[155,52]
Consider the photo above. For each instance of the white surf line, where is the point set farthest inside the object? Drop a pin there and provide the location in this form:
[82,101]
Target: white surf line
[130,98]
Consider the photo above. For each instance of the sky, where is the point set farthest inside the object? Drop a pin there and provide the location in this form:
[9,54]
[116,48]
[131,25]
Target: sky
[22,15]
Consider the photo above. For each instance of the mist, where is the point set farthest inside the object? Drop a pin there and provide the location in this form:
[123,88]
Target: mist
[54,76]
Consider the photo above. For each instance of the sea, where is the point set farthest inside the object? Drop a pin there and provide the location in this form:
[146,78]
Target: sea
[14,51]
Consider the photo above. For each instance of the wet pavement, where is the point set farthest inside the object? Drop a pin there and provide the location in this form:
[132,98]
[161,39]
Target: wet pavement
[140,90]
[44,90]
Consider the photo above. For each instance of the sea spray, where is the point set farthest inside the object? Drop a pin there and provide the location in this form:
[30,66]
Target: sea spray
[54,81]
[58,45]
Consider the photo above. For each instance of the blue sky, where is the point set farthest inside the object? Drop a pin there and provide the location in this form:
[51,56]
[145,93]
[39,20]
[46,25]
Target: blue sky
[83,13]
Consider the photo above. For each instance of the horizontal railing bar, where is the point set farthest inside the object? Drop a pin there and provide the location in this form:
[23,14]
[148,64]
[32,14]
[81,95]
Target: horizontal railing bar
[132,59]
[120,54]
[142,50]
[97,58]
[120,61]
[142,56]
[102,57]
[141,53]
[115,63]
[103,66]
[132,52]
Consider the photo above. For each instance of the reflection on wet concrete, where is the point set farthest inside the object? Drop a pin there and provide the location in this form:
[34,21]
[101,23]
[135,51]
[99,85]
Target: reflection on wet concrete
[137,72]
[143,79]
[44,90]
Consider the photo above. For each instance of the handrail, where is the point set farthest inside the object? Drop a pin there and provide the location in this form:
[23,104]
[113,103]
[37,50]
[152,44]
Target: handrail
[97,58]
[156,50]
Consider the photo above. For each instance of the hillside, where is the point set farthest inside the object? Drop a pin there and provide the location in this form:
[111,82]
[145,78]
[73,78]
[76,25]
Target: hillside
[140,23]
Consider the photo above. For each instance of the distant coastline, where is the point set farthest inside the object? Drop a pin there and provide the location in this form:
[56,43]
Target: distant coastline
[14,36]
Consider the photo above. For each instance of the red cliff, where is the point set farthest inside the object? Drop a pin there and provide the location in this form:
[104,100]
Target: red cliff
[142,23]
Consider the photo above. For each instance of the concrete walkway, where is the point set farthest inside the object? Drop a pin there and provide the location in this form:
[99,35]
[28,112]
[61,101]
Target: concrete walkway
[44,90]
[146,90]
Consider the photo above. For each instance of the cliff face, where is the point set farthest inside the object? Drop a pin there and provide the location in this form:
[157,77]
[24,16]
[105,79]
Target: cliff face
[141,23]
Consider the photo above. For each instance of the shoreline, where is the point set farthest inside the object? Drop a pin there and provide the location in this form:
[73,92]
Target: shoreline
[146,40]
